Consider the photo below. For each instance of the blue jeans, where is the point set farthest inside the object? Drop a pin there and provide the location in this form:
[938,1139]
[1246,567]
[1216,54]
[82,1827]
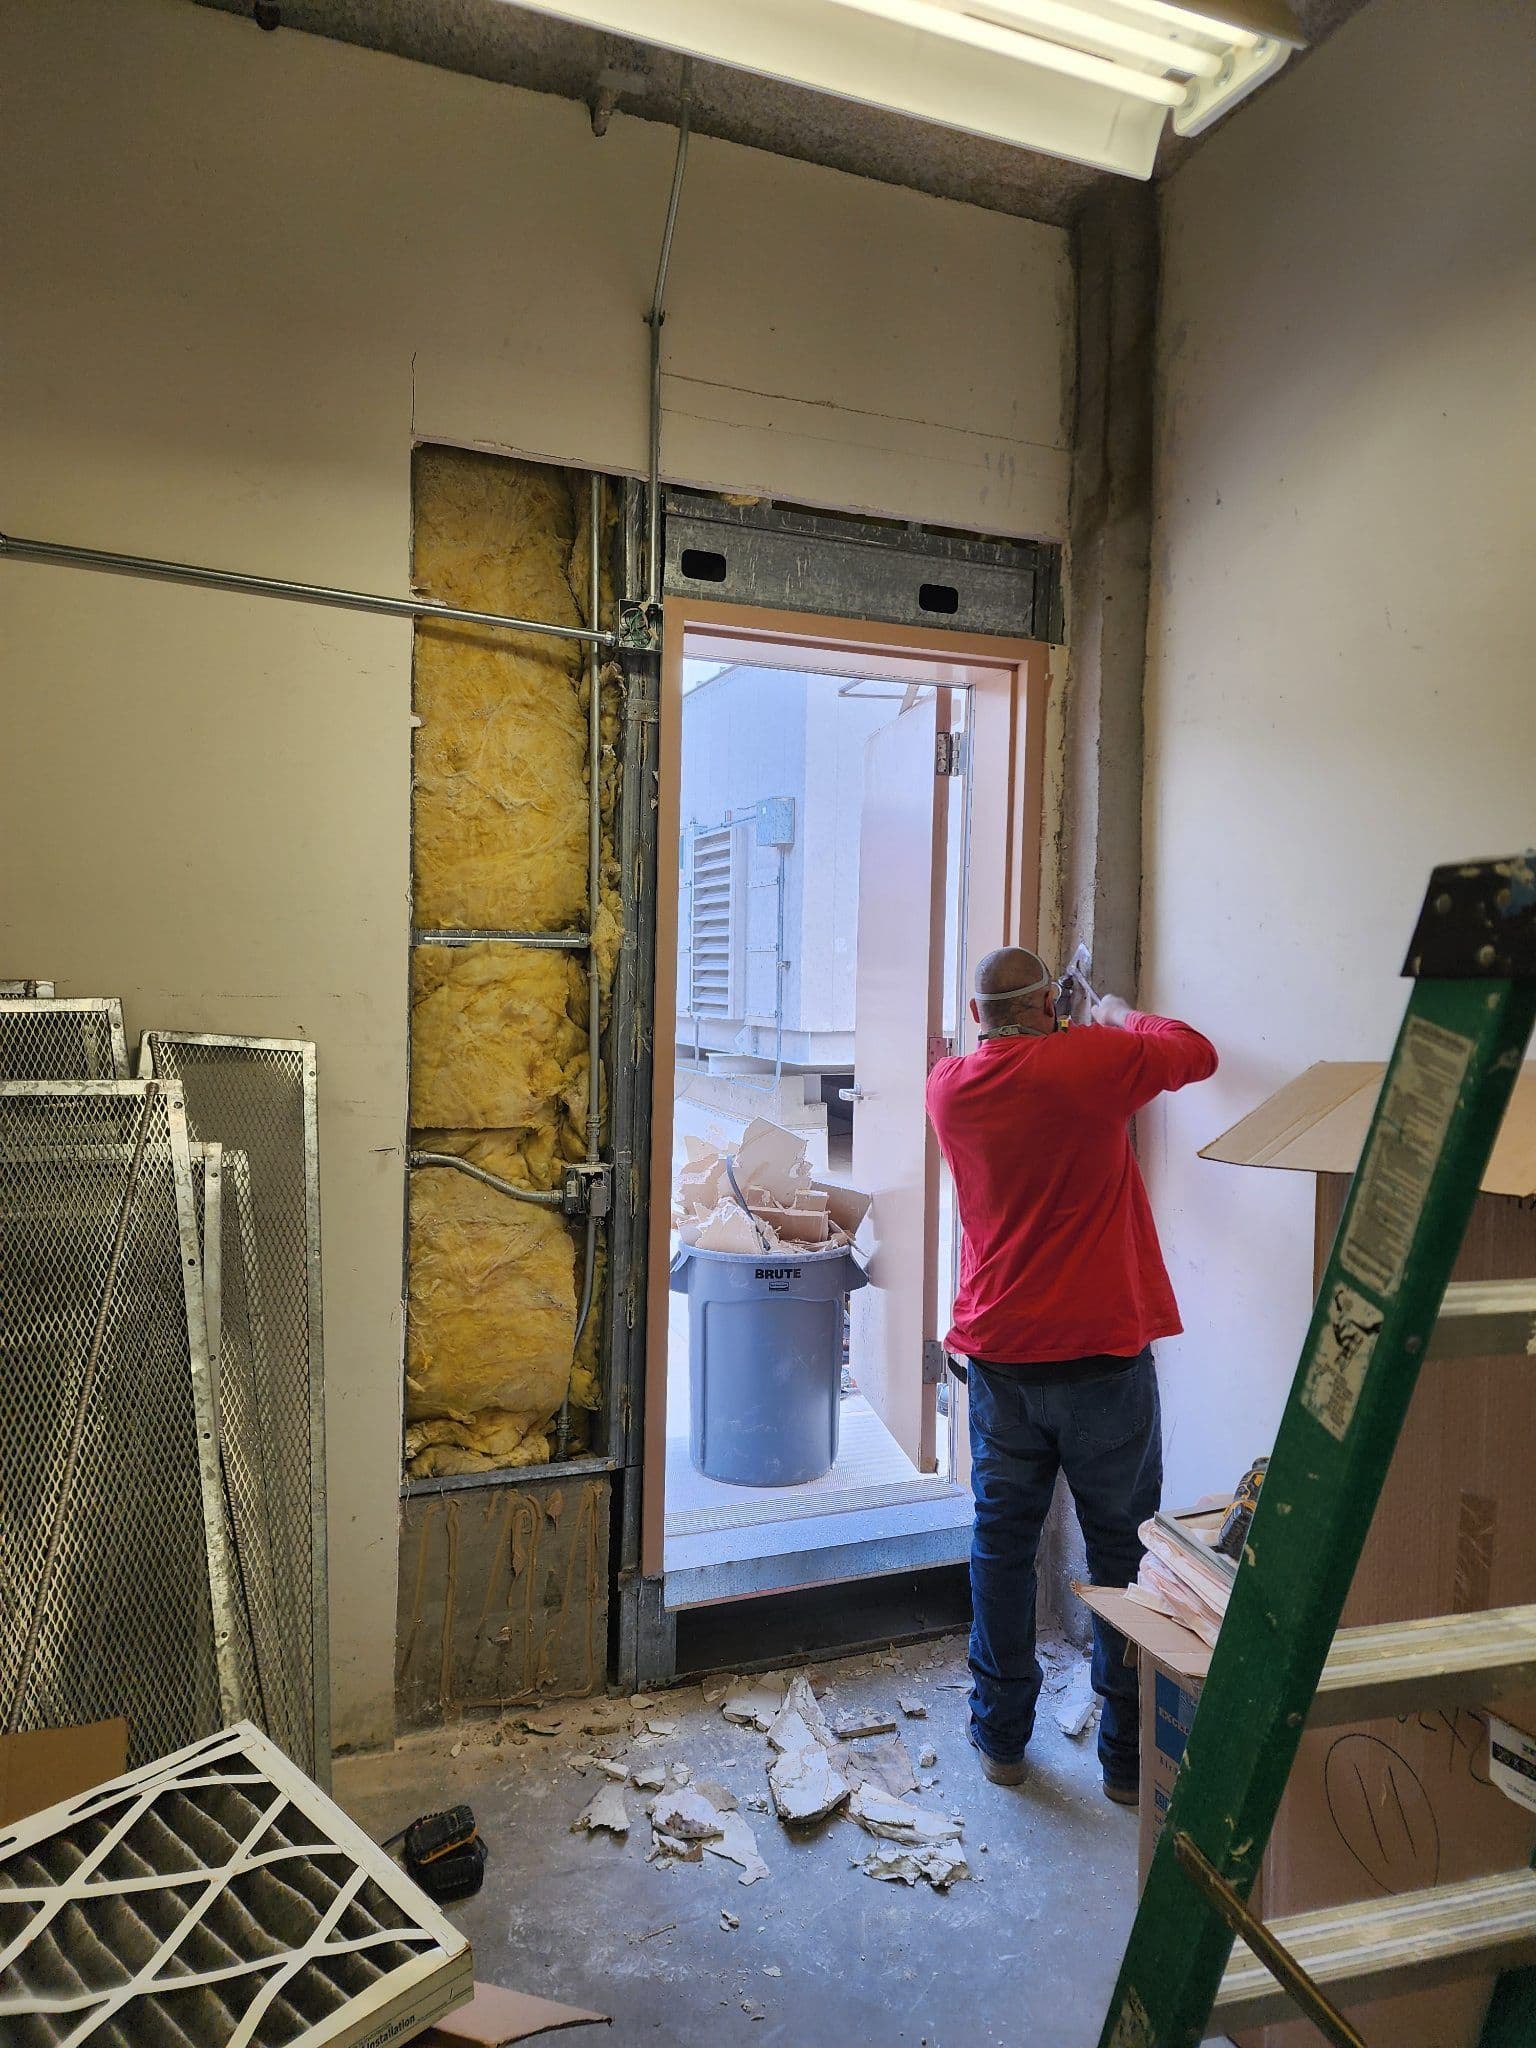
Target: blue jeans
[1105,1434]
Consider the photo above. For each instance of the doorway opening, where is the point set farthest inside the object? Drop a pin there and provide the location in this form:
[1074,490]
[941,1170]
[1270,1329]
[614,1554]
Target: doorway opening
[820,858]
[847,812]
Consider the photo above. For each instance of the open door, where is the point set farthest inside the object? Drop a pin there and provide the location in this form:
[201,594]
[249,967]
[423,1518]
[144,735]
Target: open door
[897,1014]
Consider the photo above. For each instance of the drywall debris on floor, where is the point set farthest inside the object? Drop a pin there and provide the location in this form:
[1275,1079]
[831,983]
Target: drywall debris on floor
[858,1764]
[756,1705]
[1078,1707]
[858,1721]
[606,1810]
[500,1034]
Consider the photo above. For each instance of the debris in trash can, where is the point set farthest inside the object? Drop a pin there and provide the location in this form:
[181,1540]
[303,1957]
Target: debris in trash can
[761,1196]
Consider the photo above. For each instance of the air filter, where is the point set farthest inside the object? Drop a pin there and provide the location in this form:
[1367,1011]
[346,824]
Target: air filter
[257,1098]
[43,1038]
[215,1898]
[114,1568]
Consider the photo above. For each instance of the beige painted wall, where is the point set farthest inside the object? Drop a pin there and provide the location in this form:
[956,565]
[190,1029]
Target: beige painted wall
[240,272]
[1342,678]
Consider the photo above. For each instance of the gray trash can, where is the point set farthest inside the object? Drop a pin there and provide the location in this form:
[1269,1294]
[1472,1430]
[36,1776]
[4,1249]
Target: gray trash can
[765,1359]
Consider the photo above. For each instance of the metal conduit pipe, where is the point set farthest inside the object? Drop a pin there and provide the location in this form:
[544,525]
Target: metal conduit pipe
[543,1198]
[655,318]
[14,548]
[594,902]
[470,935]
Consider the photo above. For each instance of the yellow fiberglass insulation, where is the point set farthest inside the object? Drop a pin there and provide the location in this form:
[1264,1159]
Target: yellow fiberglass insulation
[500,821]
[492,1318]
[499,1033]
[499,1042]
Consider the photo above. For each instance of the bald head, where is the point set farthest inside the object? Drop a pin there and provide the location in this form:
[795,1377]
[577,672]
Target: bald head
[1013,987]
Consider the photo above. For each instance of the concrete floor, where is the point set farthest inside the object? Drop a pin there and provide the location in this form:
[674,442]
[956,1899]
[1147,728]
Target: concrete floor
[1025,1953]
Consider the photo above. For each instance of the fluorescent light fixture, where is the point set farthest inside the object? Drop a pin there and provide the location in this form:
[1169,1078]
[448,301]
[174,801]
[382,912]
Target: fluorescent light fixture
[1093,81]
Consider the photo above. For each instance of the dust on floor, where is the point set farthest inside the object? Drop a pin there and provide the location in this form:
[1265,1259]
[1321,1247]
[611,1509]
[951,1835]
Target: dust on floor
[1024,1951]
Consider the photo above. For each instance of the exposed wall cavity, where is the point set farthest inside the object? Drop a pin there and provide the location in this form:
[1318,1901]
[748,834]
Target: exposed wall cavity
[500,1034]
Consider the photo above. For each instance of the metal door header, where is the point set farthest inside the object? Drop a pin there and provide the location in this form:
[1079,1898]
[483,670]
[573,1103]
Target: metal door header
[785,558]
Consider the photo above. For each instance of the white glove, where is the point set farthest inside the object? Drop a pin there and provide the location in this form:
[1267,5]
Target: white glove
[1112,1010]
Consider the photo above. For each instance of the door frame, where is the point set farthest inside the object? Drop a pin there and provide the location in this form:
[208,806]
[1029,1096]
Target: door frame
[1008,681]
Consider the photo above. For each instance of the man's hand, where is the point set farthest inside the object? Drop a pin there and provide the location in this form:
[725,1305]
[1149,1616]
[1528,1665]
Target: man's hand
[1111,1010]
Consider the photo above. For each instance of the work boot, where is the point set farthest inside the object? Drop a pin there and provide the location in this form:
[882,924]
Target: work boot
[1123,1794]
[993,1769]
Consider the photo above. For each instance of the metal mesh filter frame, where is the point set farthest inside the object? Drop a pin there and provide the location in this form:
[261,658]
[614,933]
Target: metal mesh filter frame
[408,1998]
[274,1688]
[255,1643]
[32,1139]
[84,1054]
[158,1054]
[27,988]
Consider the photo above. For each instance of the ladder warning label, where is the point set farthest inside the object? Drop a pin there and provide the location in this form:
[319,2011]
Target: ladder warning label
[1133,2029]
[1342,1356]
[1411,1122]
[1512,1762]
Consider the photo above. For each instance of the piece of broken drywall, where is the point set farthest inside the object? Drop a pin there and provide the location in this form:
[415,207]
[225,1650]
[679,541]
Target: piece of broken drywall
[500,1033]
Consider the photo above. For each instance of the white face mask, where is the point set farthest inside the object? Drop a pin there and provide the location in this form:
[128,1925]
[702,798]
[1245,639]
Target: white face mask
[1003,995]
[998,995]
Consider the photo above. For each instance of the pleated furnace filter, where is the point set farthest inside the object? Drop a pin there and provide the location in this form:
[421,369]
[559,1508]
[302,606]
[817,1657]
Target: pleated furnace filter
[215,1899]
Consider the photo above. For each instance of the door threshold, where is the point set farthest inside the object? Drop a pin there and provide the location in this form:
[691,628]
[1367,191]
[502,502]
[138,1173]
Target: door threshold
[783,1556]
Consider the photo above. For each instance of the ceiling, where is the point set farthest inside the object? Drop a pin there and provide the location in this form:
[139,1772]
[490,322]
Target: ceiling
[496,40]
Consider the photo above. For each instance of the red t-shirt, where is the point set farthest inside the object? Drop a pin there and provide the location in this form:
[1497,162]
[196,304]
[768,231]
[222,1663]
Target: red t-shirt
[1059,1257]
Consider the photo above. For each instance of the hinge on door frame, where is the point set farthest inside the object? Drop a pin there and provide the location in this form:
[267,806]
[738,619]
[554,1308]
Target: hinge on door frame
[935,1362]
[948,753]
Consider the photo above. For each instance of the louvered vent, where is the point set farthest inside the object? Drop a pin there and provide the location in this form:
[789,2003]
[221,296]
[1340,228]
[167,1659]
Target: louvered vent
[713,951]
[215,1898]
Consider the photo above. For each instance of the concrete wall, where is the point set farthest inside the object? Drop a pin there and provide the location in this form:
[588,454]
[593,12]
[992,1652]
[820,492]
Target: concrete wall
[241,272]
[1343,634]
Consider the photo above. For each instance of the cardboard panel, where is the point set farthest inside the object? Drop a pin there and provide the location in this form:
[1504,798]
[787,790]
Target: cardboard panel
[496,2017]
[1317,1124]
[41,1766]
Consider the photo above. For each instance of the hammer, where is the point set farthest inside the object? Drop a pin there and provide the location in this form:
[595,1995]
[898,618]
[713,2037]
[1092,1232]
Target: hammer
[1075,985]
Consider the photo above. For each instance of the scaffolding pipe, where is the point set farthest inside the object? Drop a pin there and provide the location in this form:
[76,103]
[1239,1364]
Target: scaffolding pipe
[18,550]
[655,319]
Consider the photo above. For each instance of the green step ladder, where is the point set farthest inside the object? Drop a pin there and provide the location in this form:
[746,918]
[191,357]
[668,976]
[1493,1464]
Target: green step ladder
[1281,1662]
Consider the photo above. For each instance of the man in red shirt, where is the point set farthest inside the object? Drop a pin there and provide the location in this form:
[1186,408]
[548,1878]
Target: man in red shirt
[1062,1291]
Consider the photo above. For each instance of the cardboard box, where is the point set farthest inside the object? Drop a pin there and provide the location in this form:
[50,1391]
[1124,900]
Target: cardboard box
[1172,1663]
[1384,1807]
[41,1766]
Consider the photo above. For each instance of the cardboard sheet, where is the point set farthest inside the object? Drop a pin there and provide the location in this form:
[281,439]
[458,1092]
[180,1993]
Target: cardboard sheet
[1173,1645]
[496,2017]
[1317,1124]
[41,1766]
